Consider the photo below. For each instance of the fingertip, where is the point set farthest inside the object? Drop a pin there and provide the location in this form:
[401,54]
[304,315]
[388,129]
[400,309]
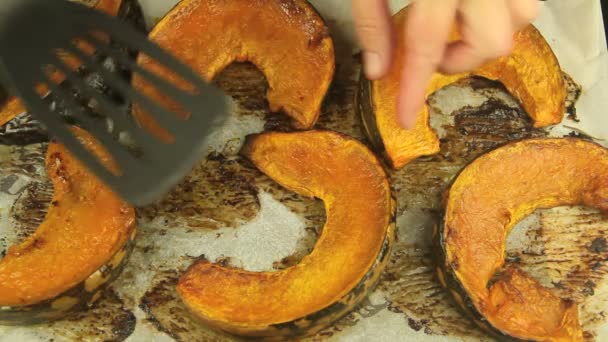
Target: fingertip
[524,11]
[411,96]
[406,112]
[374,65]
[407,121]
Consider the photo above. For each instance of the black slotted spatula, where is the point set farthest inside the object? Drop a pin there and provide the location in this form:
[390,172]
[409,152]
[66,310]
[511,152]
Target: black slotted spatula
[35,38]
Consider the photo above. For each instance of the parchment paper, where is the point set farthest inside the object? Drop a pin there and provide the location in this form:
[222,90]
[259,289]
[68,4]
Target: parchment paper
[140,306]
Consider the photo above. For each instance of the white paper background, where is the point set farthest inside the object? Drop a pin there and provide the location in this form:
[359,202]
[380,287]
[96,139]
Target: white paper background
[574,30]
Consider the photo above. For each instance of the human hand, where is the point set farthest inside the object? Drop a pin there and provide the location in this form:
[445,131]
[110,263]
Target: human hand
[486,28]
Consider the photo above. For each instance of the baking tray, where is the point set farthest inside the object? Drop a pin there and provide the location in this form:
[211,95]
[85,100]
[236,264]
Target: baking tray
[235,215]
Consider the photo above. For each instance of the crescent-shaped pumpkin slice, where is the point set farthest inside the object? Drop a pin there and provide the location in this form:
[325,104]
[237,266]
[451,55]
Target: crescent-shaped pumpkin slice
[531,73]
[286,39]
[345,262]
[487,199]
[79,247]
[13,105]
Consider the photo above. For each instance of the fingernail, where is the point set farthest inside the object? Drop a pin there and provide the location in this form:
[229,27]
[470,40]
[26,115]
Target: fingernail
[372,64]
[407,121]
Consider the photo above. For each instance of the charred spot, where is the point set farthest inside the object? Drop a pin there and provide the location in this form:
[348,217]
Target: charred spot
[481,83]
[513,259]
[231,201]
[123,325]
[574,91]
[318,37]
[452,234]
[326,334]
[598,245]
[223,261]
[494,279]
[167,314]
[588,288]
[417,325]
[105,271]
[34,245]
[389,276]
[59,167]
[571,110]
[216,156]
[596,266]
[55,155]
[201,258]
[569,302]
[277,123]
[220,192]
[30,208]
[482,121]
[158,294]
[38,243]
[588,335]
[286,262]
[579,135]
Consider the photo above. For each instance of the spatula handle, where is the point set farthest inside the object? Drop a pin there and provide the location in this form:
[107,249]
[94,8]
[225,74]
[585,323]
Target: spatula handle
[8,7]
[5,81]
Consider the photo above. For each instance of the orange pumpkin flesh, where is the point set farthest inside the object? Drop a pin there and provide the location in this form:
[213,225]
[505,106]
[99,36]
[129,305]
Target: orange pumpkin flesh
[354,242]
[13,105]
[86,225]
[531,74]
[287,40]
[488,198]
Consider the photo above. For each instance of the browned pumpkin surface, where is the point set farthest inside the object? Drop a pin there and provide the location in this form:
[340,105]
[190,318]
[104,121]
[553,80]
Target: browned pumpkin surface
[488,198]
[531,74]
[13,106]
[85,226]
[286,39]
[354,187]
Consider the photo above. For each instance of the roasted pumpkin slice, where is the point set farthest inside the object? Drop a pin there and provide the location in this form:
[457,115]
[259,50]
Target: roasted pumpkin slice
[346,261]
[13,105]
[531,74]
[487,199]
[80,246]
[286,39]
